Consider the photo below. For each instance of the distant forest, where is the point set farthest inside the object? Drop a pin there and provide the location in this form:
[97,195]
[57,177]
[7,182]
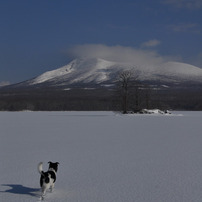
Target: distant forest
[77,99]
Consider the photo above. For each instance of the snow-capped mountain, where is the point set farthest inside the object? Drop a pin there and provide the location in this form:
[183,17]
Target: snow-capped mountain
[79,71]
[98,71]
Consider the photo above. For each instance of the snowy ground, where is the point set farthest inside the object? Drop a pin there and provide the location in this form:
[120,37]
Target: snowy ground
[104,156]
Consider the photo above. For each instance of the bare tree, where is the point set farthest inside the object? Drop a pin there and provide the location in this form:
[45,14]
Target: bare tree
[147,95]
[126,81]
[137,94]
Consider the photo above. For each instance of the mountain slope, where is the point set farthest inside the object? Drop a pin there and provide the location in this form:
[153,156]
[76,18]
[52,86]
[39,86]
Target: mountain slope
[98,72]
[93,70]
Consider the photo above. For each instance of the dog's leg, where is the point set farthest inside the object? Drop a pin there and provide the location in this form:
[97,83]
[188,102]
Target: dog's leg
[52,187]
[41,198]
[42,195]
[43,191]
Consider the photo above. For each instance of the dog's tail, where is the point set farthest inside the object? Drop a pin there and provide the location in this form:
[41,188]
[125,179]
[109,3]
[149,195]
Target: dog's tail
[40,168]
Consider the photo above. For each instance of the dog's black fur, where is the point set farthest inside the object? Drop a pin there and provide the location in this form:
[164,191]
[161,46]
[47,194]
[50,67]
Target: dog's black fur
[48,178]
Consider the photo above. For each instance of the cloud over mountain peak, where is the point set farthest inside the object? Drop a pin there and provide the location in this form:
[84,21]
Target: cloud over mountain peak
[140,57]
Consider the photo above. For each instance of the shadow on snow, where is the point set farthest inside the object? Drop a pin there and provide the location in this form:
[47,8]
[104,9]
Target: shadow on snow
[20,189]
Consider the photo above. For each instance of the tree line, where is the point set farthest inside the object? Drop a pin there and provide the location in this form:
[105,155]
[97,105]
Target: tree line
[129,94]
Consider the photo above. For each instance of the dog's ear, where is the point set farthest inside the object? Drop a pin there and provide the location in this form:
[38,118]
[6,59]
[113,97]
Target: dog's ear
[57,163]
[49,162]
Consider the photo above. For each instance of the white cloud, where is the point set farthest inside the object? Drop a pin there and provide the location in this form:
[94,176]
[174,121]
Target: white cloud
[151,43]
[185,27]
[4,83]
[119,54]
[188,4]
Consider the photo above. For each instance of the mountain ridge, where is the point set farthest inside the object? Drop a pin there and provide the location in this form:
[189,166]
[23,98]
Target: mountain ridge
[98,71]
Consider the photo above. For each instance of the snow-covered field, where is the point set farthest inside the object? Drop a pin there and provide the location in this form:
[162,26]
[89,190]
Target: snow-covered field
[104,156]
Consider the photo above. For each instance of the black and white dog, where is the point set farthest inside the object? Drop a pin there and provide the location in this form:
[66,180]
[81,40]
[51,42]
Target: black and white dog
[48,178]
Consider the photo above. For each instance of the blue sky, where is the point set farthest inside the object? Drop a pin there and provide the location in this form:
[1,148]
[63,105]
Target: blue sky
[41,35]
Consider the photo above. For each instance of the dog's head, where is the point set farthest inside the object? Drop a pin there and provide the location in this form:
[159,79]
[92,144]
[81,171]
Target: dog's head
[53,166]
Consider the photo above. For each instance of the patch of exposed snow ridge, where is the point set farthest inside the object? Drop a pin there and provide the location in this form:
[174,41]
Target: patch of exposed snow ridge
[151,111]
